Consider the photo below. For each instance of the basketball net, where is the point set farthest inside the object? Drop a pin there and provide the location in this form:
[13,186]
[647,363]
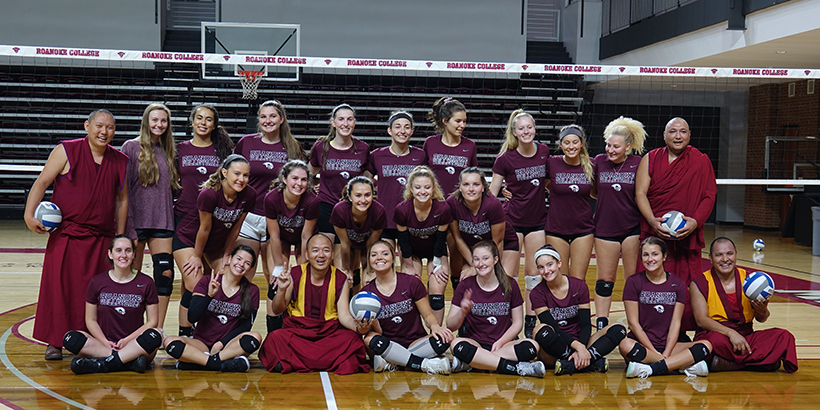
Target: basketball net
[250,81]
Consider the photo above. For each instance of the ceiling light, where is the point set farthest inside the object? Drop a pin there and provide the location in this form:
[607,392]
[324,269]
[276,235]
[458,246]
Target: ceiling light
[780,52]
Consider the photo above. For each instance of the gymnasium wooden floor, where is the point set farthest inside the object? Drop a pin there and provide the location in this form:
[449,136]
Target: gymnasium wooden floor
[29,382]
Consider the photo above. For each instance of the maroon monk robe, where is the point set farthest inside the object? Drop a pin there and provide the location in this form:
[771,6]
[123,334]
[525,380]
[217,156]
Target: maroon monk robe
[768,347]
[77,250]
[686,185]
[305,344]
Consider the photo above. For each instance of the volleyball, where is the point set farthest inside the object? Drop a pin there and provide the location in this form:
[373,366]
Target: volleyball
[49,215]
[674,222]
[758,286]
[758,244]
[365,306]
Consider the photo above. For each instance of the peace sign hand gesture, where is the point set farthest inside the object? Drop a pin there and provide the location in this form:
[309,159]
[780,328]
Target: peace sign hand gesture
[214,284]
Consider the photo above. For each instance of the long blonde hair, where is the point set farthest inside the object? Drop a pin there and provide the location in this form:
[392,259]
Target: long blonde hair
[631,130]
[292,147]
[586,164]
[511,141]
[148,168]
[214,181]
[422,171]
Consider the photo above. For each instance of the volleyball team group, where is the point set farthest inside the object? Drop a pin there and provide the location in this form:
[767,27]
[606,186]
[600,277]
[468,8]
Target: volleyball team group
[216,210]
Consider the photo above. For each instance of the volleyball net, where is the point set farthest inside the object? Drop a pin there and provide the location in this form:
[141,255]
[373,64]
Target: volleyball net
[758,125]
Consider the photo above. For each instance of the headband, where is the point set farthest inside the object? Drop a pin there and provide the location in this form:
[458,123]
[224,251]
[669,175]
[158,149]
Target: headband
[547,251]
[399,115]
[570,131]
[231,158]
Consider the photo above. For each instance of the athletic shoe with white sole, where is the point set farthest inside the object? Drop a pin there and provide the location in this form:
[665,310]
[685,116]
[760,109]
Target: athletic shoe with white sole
[436,365]
[532,369]
[458,366]
[381,365]
[698,369]
[636,369]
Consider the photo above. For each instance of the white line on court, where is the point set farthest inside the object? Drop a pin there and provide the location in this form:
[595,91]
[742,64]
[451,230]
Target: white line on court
[329,397]
[6,362]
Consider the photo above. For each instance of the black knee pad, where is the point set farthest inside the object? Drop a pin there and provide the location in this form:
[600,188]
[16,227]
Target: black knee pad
[465,351]
[436,302]
[163,262]
[274,322]
[616,333]
[604,288]
[150,340]
[249,343]
[378,344]
[525,351]
[637,354]
[175,349]
[699,352]
[185,300]
[438,345]
[74,341]
[545,336]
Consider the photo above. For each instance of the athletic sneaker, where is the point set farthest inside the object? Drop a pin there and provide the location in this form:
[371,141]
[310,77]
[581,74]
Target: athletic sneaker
[139,364]
[564,367]
[533,369]
[381,365]
[86,365]
[636,369]
[698,369]
[435,365]
[601,365]
[458,366]
[239,364]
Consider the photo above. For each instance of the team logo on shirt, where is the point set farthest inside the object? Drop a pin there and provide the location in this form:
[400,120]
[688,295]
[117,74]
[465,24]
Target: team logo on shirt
[228,225]
[450,170]
[202,170]
[402,180]
[345,174]
[493,321]
[222,319]
[574,188]
[268,165]
[289,230]
[120,310]
[562,323]
[535,182]
[659,308]
[396,319]
[616,187]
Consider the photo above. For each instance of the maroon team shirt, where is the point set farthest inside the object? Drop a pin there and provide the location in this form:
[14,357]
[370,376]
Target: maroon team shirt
[570,211]
[564,311]
[265,160]
[423,233]
[392,171]
[341,165]
[342,217]
[448,162]
[525,178]
[121,306]
[292,221]
[656,304]
[478,227]
[223,312]
[616,213]
[195,165]
[491,314]
[399,318]
[223,216]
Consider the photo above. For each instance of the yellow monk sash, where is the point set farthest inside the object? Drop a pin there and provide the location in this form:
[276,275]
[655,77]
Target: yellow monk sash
[296,308]
[716,307]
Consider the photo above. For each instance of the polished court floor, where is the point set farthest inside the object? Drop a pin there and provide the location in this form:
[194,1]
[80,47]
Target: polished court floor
[29,382]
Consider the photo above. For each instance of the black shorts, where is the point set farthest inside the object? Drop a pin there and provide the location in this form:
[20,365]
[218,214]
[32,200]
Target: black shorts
[526,230]
[390,233]
[177,244]
[569,238]
[145,234]
[620,239]
[323,223]
[177,220]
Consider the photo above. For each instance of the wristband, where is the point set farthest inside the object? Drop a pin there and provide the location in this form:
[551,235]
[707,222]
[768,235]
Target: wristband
[272,288]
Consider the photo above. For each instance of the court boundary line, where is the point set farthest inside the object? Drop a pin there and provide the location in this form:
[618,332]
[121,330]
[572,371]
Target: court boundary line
[330,399]
[17,373]
[15,330]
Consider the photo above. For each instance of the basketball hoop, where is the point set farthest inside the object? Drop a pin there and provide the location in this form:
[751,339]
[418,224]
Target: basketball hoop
[250,81]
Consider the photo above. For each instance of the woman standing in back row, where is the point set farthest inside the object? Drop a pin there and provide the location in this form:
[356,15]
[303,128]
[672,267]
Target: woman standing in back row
[617,217]
[266,151]
[197,159]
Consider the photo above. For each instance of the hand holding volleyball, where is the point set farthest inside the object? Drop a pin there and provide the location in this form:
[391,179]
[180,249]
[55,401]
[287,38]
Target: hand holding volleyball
[48,215]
